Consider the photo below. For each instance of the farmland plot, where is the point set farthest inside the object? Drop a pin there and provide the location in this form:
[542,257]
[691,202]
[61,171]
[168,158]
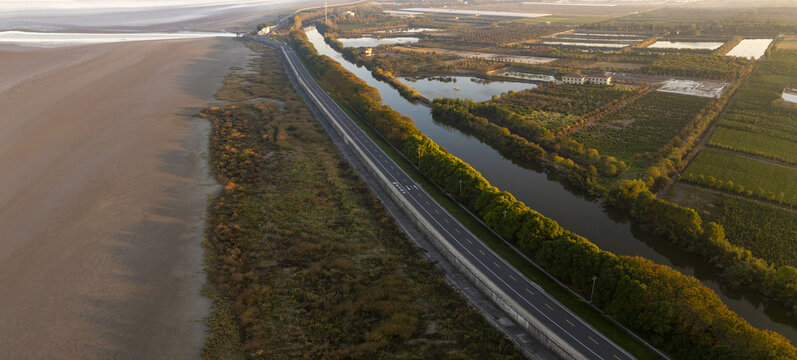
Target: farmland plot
[757,178]
[762,126]
[643,126]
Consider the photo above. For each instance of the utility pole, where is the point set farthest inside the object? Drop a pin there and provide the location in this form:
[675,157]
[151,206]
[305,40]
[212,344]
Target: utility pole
[460,188]
[593,288]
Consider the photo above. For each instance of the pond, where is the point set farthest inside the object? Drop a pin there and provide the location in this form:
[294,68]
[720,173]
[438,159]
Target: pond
[462,87]
[528,76]
[606,227]
[587,44]
[790,95]
[366,41]
[697,45]
[750,48]
[406,31]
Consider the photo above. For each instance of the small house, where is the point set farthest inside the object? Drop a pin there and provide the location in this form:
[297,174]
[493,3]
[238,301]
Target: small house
[369,51]
[575,79]
[599,79]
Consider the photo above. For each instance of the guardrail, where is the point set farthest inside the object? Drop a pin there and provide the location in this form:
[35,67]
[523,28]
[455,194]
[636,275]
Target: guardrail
[535,327]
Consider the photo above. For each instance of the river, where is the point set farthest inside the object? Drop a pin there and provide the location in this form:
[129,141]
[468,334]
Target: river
[610,229]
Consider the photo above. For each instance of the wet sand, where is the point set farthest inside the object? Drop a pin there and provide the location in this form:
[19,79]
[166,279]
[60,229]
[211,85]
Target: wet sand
[103,192]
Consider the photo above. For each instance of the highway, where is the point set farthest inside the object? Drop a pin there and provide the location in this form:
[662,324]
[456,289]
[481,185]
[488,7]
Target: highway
[529,296]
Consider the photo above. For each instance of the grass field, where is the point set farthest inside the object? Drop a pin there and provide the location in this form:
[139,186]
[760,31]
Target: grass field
[767,231]
[304,262]
[641,127]
[756,176]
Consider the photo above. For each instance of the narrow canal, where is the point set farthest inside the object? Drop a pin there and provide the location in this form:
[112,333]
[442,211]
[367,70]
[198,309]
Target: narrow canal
[611,230]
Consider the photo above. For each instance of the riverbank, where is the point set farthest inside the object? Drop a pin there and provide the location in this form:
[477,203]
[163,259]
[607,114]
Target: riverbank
[105,186]
[610,230]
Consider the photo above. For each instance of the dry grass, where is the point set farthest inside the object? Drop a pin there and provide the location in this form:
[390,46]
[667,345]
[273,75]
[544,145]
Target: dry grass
[789,42]
[304,260]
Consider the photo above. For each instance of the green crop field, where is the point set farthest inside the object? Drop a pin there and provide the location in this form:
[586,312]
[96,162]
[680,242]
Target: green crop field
[763,179]
[764,229]
[643,126]
[761,124]
[768,146]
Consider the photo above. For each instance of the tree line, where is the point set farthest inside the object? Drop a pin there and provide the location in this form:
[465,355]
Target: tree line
[356,56]
[671,310]
[532,131]
[737,266]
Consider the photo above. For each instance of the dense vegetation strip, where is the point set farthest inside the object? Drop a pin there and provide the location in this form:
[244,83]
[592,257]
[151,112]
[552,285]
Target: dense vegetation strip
[738,267]
[356,56]
[765,229]
[671,310]
[727,46]
[304,262]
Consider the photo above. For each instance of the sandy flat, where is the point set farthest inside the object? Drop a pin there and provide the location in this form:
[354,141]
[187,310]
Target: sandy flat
[103,192]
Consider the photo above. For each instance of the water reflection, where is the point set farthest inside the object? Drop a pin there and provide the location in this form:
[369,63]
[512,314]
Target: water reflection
[609,229]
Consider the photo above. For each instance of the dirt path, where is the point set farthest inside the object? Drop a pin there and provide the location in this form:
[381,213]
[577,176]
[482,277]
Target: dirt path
[104,189]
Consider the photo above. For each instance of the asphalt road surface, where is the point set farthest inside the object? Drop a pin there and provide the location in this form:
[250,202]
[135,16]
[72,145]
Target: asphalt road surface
[557,318]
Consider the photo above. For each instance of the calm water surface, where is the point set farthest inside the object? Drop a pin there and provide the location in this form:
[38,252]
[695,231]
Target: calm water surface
[366,41]
[607,228]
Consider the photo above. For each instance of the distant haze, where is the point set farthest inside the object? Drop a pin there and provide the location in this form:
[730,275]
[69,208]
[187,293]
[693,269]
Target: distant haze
[28,5]
[130,15]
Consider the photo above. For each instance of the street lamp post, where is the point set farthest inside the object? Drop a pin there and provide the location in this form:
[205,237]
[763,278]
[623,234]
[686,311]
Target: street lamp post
[593,288]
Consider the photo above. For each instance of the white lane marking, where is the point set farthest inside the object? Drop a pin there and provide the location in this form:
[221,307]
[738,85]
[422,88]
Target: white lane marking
[443,229]
[571,324]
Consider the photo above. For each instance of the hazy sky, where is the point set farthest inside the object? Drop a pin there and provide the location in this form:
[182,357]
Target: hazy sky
[117,4]
[122,15]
